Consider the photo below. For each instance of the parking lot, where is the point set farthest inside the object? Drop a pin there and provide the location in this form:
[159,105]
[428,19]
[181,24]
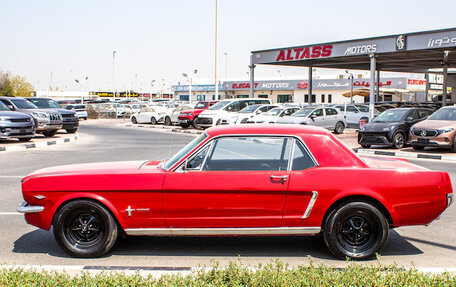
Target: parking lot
[109,140]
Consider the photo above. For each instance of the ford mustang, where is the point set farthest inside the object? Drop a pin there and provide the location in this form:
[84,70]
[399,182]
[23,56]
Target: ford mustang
[238,180]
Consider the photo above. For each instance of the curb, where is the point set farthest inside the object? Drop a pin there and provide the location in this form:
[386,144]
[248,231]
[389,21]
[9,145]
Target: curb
[26,146]
[404,154]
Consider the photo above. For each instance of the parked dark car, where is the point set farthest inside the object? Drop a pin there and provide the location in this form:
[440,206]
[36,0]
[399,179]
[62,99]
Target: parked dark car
[47,122]
[391,127]
[15,125]
[70,118]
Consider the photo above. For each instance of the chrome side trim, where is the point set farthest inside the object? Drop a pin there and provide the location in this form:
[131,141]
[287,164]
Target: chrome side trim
[450,198]
[224,231]
[311,204]
[25,208]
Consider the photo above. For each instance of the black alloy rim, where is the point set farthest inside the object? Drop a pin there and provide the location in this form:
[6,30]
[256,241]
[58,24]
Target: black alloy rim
[339,128]
[357,232]
[399,140]
[84,228]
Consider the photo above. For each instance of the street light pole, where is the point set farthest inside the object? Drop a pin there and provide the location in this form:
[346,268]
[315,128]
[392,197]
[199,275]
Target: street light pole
[226,65]
[351,85]
[113,74]
[216,49]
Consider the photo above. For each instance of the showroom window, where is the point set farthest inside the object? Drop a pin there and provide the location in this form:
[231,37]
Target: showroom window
[249,153]
[322,98]
[283,99]
[263,96]
[306,98]
[183,97]
[313,99]
[330,98]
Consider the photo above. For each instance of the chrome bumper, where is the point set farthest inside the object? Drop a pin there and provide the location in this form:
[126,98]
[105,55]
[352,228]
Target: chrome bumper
[25,208]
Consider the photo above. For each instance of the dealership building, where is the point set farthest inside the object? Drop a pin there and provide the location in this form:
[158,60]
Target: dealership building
[296,91]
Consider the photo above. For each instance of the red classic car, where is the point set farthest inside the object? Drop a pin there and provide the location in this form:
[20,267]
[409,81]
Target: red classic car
[188,118]
[239,180]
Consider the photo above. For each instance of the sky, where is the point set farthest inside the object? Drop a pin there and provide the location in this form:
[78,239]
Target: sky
[55,42]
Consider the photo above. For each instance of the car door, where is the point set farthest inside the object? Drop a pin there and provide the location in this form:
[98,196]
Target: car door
[302,189]
[331,118]
[318,118]
[238,181]
[352,115]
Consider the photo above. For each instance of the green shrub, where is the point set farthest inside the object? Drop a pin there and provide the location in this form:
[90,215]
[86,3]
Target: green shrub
[273,274]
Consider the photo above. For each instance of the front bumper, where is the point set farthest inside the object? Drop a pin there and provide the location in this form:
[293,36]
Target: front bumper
[70,124]
[24,207]
[380,138]
[205,122]
[17,131]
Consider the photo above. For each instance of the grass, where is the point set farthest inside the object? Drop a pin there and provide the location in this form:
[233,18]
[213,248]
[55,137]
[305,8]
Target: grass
[236,274]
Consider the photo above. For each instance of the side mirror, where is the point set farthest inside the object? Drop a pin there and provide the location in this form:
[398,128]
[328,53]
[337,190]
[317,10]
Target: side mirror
[258,112]
[408,120]
[11,107]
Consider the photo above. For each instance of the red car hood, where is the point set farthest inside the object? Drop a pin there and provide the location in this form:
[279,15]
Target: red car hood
[119,167]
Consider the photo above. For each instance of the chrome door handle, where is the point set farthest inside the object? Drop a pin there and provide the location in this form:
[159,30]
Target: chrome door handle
[283,178]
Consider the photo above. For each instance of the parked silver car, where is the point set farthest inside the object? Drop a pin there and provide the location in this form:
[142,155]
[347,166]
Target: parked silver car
[328,118]
[47,122]
[15,125]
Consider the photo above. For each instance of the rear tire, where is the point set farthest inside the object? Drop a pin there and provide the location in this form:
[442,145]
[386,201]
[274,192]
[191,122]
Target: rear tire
[134,120]
[84,228]
[453,147]
[184,126]
[49,134]
[365,145]
[339,128]
[71,131]
[356,230]
[153,120]
[167,121]
[195,123]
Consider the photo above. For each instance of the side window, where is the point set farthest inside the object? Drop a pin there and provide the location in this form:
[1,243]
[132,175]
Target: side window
[249,153]
[413,114]
[423,113]
[197,161]
[233,107]
[301,158]
[341,108]
[331,112]
[211,104]
[352,109]
[318,113]
[265,108]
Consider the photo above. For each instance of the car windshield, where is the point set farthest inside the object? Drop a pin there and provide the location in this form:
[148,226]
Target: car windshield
[4,107]
[274,112]
[303,113]
[45,103]
[219,105]
[186,149]
[444,115]
[390,116]
[249,109]
[79,107]
[201,105]
[23,104]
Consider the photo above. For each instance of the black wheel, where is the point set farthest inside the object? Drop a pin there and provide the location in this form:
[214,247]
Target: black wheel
[453,146]
[24,139]
[339,128]
[365,145]
[184,126]
[49,134]
[356,230]
[84,228]
[417,147]
[195,123]
[85,118]
[134,120]
[71,131]
[398,140]
[168,121]
[153,120]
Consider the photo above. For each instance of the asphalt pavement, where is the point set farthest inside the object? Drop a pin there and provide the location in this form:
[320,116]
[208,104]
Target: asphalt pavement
[423,246]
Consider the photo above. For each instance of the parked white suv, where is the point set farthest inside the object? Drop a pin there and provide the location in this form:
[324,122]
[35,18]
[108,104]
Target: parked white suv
[355,112]
[224,109]
[246,113]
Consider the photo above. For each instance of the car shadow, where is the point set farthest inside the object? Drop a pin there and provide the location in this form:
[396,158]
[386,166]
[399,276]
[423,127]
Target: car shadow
[43,242]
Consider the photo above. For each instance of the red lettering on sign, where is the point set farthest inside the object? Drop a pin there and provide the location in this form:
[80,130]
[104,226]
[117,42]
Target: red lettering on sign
[242,85]
[281,56]
[305,54]
[298,51]
[289,57]
[316,52]
[326,51]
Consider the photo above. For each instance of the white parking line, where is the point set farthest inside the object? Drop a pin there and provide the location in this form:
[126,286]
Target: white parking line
[12,176]
[11,213]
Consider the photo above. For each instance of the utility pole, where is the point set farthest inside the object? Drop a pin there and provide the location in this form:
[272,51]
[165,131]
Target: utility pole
[114,74]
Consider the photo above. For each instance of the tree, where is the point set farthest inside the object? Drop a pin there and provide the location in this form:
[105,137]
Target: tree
[14,86]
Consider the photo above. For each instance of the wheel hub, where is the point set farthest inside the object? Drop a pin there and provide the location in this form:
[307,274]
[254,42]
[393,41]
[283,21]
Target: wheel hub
[356,231]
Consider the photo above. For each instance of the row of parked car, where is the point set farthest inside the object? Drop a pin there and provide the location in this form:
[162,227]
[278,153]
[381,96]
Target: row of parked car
[23,118]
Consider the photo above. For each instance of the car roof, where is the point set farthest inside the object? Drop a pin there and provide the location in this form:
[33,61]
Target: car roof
[266,129]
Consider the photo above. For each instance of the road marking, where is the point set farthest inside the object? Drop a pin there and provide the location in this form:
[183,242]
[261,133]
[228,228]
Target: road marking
[11,213]
[12,176]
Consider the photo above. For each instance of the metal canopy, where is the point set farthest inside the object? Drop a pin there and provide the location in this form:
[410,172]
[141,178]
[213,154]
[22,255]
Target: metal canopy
[413,52]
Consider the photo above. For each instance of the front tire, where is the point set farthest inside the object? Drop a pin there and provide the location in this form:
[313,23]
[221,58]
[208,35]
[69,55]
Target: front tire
[24,139]
[356,230]
[339,128]
[365,145]
[71,131]
[153,120]
[398,140]
[195,123]
[84,228]
[49,134]
[134,120]
[184,126]
[415,147]
[168,121]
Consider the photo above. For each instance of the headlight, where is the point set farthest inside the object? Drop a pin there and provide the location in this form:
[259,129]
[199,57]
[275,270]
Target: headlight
[388,128]
[444,131]
[361,129]
[40,115]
